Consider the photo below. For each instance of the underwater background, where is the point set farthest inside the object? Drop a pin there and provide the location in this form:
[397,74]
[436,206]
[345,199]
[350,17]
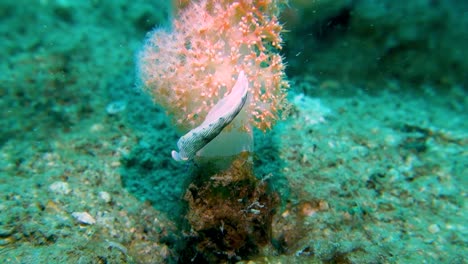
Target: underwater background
[370,166]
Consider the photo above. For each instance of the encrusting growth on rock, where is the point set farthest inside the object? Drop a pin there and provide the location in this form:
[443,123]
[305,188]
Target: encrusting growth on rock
[230,214]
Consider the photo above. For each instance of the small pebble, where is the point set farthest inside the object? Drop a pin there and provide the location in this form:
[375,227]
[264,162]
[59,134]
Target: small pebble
[105,196]
[96,128]
[323,206]
[115,164]
[434,228]
[84,218]
[60,187]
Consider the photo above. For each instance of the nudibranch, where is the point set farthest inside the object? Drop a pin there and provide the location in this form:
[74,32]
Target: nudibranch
[215,121]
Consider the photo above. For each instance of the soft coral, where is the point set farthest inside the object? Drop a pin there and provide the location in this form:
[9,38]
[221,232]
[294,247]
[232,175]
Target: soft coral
[192,66]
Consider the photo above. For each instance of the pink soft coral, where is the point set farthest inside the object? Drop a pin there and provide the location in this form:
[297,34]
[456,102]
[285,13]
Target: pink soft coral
[192,66]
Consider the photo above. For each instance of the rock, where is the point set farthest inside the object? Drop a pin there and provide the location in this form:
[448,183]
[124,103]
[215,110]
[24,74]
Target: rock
[84,218]
[105,196]
[60,187]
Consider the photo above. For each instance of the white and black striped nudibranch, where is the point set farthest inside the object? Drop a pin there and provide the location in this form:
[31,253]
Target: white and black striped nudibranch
[216,120]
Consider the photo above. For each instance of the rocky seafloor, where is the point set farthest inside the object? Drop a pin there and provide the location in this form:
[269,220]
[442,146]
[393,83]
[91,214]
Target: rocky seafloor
[370,166]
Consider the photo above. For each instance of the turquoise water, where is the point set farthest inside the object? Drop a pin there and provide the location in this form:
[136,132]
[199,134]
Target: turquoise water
[369,165]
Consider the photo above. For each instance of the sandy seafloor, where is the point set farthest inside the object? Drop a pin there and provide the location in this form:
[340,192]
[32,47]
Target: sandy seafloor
[365,175]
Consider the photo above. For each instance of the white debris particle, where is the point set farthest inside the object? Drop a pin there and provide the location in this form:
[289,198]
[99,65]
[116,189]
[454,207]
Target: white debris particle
[60,187]
[84,218]
[116,107]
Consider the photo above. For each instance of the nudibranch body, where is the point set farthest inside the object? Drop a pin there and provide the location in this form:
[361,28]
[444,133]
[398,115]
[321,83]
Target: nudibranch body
[216,120]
